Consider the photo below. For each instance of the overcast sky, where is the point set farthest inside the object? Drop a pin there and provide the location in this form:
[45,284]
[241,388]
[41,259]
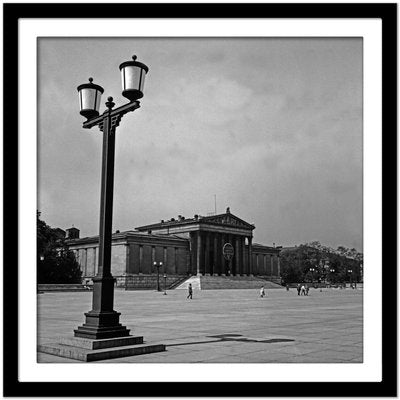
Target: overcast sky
[272,127]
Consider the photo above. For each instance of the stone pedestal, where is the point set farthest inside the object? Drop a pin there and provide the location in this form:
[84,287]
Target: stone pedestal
[101,325]
[100,349]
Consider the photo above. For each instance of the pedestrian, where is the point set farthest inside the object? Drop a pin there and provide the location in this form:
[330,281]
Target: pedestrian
[287,287]
[190,290]
[303,290]
[298,289]
[307,289]
[262,291]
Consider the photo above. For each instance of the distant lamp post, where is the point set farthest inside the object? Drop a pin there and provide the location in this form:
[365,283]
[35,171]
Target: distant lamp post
[158,266]
[312,270]
[102,321]
[165,283]
[350,271]
[332,271]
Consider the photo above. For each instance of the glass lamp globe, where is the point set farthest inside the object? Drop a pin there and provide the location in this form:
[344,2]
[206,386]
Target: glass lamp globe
[89,99]
[133,74]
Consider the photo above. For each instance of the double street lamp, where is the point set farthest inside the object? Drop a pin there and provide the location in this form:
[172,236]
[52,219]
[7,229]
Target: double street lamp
[102,321]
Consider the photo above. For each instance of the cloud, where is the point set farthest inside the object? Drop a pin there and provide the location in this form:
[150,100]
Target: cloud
[273,127]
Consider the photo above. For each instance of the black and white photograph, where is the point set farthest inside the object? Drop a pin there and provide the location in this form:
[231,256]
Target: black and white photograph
[205,202]
[231,200]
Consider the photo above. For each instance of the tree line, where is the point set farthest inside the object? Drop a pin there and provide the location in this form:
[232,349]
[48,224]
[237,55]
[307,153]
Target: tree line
[313,262]
[55,262]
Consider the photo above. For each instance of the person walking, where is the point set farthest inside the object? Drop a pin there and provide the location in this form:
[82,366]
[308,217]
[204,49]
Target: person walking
[303,290]
[262,291]
[190,290]
[298,289]
[307,289]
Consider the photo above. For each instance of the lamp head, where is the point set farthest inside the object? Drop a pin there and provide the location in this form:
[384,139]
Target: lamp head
[89,99]
[133,74]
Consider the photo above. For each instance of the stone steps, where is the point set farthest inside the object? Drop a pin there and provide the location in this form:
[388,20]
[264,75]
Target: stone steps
[63,287]
[227,282]
[149,282]
[102,349]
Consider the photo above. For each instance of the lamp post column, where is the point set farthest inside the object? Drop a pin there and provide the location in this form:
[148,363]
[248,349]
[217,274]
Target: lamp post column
[102,321]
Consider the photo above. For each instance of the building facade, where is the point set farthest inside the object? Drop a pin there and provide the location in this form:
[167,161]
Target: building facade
[193,246]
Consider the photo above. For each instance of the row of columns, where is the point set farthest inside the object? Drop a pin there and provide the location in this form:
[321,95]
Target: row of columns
[208,258]
[265,262]
[81,256]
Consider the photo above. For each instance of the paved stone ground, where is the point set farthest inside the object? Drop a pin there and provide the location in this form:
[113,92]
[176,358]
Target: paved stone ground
[223,326]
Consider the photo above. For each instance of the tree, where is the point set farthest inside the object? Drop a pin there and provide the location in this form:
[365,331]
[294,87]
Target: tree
[290,270]
[292,265]
[55,262]
[297,261]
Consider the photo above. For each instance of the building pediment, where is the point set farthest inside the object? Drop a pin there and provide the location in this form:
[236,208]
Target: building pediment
[183,224]
[228,219]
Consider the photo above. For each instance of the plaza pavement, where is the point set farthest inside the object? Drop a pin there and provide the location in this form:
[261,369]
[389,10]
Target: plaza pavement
[222,326]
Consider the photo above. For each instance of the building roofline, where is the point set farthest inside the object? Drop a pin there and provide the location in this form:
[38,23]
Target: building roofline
[125,235]
[197,219]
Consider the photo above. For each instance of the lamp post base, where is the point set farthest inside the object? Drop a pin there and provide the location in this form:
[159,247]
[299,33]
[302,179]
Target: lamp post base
[101,325]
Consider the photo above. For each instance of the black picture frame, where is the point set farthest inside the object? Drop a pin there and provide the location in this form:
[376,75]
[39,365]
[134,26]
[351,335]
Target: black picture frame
[12,386]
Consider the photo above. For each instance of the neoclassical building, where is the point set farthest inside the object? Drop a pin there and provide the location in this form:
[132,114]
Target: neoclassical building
[185,246]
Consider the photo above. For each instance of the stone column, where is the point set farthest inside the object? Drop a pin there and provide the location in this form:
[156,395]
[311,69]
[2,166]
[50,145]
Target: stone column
[207,255]
[215,261]
[127,258]
[250,254]
[153,258]
[192,257]
[95,257]
[140,259]
[245,271]
[198,254]
[257,264]
[222,258]
[272,265]
[176,260]
[279,266]
[264,264]
[237,262]
[229,262]
[85,262]
[165,258]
